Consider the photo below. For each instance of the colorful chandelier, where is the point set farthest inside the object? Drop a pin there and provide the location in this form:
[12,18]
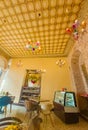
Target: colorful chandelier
[33,46]
[77,29]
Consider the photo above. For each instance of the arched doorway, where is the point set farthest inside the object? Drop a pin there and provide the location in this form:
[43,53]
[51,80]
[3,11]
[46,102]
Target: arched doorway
[79,83]
[78,79]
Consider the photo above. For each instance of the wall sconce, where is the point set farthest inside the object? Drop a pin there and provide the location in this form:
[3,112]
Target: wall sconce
[19,63]
[60,62]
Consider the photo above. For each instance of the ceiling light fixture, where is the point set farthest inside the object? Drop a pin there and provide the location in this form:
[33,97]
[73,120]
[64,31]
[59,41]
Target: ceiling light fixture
[77,29]
[33,46]
[60,62]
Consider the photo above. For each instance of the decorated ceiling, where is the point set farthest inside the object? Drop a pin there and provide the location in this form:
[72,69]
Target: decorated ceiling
[38,28]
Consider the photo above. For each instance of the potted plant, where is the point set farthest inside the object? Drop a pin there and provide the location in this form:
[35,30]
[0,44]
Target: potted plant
[33,78]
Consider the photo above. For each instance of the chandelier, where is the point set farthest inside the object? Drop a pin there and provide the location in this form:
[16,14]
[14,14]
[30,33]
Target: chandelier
[77,29]
[33,46]
[60,62]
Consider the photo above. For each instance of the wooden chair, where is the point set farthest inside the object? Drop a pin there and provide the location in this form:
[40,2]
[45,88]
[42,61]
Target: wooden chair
[46,111]
[28,107]
[31,107]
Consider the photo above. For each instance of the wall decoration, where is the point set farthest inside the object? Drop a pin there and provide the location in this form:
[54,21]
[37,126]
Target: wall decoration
[60,62]
[32,79]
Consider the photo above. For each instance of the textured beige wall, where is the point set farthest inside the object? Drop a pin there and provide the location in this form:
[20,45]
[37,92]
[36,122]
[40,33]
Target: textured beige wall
[55,77]
[3,66]
[81,45]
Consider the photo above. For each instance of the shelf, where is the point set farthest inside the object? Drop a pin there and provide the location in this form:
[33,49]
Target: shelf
[29,93]
[31,87]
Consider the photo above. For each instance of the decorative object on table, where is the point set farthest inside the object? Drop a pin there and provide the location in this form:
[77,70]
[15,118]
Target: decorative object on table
[14,127]
[33,46]
[60,62]
[2,93]
[77,29]
[64,89]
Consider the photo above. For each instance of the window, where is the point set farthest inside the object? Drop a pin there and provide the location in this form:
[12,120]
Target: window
[0,72]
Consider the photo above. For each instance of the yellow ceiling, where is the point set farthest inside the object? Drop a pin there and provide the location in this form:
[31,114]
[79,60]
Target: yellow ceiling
[39,20]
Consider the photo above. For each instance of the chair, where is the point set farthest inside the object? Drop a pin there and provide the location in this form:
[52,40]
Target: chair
[4,101]
[28,106]
[31,107]
[12,100]
[46,110]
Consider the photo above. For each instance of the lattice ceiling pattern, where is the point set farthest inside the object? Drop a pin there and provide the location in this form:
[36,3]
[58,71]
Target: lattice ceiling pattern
[39,20]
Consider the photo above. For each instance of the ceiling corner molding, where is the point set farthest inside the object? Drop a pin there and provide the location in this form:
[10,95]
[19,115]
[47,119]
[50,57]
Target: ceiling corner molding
[2,53]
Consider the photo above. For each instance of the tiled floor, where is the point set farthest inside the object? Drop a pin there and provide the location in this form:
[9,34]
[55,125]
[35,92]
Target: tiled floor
[19,112]
[59,125]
